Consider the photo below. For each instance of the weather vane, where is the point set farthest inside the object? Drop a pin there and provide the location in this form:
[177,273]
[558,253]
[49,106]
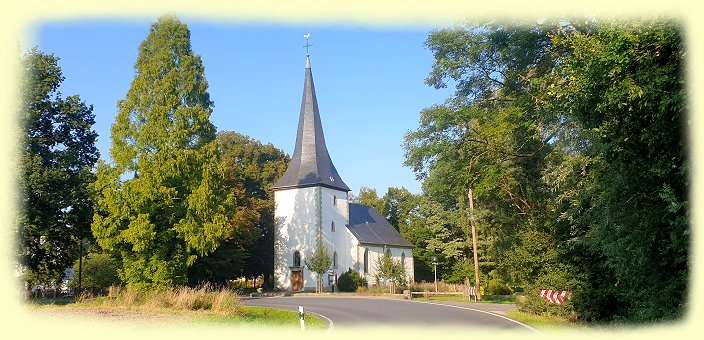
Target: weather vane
[307,45]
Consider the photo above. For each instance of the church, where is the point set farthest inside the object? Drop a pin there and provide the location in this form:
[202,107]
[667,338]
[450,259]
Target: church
[312,201]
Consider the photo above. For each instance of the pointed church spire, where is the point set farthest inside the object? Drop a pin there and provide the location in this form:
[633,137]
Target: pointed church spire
[310,164]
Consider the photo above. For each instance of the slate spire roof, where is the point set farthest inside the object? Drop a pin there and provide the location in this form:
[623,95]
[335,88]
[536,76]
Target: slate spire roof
[310,164]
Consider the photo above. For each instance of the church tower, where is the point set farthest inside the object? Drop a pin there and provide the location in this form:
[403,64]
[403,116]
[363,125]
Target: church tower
[311,202]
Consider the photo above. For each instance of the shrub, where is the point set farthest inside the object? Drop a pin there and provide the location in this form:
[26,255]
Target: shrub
[498,287]
[555,280]
[350,280]
[533,303]
[98,271]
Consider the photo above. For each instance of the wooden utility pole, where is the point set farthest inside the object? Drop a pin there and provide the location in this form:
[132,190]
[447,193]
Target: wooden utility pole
[474,243]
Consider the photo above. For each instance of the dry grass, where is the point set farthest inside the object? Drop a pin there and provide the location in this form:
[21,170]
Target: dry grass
[220,302]
[442,287]
[202,305]
[374,289]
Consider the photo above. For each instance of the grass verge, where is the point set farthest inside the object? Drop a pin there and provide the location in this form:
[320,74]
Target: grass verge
[544,322]
[190,305]
[507,299]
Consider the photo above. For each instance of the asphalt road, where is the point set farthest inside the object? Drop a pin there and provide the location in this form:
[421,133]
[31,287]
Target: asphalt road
[356,311]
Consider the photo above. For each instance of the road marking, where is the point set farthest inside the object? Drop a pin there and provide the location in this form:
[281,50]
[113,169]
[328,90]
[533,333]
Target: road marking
[485,312]
[332,324]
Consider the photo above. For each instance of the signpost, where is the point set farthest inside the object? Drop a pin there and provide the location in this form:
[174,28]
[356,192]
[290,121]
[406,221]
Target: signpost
[435,269]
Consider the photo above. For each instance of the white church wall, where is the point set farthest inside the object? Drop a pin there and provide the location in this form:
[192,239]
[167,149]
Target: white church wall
[406,256]
[375,252]
[299,214]
[336,210]
[296,221]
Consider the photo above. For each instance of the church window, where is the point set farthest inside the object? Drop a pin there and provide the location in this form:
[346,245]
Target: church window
[388,252]
[334,260]
[332,226]
[334,200]
[296,258]
[403,259]
[366,261]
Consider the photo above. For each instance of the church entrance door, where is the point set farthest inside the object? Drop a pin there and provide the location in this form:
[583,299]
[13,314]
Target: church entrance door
[297,280]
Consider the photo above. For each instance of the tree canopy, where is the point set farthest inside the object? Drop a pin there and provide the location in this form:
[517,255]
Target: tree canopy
[571,134]
[251,169]
[57,156]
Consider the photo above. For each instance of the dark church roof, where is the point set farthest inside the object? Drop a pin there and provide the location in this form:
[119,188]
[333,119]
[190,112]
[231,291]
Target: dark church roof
[310,164]
[368,226]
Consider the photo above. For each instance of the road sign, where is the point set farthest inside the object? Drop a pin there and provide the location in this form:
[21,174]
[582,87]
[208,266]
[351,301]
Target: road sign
[555,297]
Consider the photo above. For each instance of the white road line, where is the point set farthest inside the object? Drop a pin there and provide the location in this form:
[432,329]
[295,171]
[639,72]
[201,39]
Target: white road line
[485,312]
[332,324]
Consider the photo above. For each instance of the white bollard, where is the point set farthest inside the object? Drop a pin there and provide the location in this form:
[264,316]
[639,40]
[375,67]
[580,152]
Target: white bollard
[301,316]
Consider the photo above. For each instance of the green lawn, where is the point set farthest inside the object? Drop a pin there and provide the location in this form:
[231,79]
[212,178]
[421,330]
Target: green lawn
[544,322]
[260,316]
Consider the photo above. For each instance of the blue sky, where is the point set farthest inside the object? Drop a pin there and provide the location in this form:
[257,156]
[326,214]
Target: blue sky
[369,83]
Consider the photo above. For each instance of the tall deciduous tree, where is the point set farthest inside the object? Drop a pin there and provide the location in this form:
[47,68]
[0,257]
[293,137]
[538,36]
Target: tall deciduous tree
[572,134]
[369,196]
[58,154]
[490,136]
[398,205]
[251,169]
[624,83]
[163,203]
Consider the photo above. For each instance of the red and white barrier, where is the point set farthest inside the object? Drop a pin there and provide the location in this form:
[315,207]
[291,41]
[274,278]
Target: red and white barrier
[555,297]
[472,291]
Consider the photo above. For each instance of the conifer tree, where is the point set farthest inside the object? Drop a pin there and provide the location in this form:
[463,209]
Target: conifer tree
[162,203]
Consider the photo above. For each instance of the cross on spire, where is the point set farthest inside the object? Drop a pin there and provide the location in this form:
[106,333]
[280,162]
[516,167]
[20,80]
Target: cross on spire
[308,44]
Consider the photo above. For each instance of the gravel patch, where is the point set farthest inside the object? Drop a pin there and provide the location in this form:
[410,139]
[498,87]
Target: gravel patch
[106,314]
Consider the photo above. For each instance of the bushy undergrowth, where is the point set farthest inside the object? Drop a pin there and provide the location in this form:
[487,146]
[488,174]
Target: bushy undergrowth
[533,303]
[498,287]
[221,302]
[442,287]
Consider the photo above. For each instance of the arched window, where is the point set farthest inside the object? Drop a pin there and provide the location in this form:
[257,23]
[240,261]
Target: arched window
[332,226]
[334,260]
[366,261]
[334,200]
[403,259]
[388,252]
[296,258]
